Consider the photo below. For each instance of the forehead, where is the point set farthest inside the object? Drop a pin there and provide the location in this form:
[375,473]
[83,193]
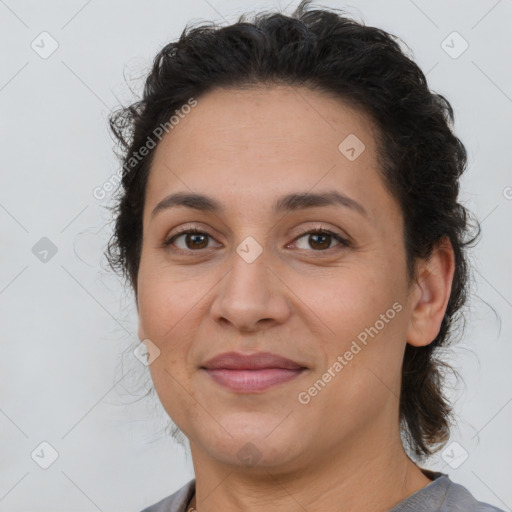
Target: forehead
[251,145]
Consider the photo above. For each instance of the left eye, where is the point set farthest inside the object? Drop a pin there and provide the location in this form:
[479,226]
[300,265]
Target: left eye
[321,239]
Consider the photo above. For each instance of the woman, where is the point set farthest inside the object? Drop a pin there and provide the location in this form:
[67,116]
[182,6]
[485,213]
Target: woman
[289,223]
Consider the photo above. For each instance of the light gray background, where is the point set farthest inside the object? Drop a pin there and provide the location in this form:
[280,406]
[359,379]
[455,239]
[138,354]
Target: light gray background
[66,323]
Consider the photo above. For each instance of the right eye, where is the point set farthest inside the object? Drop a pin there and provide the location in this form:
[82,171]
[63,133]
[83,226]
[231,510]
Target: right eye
[193,240]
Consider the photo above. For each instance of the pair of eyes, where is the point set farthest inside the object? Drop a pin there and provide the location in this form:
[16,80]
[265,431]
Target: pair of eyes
[196,238]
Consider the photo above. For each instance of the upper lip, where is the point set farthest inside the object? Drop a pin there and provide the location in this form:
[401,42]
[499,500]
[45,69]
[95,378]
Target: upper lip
[256,361]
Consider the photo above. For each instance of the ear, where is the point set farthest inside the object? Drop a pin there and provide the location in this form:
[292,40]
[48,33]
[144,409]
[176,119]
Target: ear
[430,294]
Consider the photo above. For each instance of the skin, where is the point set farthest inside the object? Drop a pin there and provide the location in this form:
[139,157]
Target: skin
[299,299]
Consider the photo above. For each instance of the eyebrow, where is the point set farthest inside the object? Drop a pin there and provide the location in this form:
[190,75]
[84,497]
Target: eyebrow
[289,202]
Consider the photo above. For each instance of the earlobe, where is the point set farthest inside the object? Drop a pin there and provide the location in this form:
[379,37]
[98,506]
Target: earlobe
[431,294]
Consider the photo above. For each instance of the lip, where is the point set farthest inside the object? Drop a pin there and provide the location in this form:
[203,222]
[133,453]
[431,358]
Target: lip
[256,361]
[249,373]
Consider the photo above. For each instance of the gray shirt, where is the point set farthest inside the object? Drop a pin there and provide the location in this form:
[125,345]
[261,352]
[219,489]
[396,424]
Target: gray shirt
[440,495]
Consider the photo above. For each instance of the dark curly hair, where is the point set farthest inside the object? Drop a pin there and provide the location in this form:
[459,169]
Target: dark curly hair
[420,158]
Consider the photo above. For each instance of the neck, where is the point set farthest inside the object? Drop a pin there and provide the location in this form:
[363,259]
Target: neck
[376,479]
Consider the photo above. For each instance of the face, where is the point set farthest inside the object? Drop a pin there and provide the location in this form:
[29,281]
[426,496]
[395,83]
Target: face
[258,278]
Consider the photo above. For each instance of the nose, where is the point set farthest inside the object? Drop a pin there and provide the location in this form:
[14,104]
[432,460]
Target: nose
[251,296]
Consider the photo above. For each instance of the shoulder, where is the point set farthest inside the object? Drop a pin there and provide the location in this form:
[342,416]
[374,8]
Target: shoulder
[443,495]
[176,502]
[458,498]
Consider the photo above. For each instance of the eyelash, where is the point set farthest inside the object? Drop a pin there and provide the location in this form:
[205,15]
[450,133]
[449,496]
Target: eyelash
[318,230]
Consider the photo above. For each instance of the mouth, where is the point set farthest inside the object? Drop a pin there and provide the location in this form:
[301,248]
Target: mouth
[250,381]
[252,373]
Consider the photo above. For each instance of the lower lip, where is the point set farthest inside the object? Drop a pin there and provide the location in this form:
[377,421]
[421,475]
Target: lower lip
[248,381]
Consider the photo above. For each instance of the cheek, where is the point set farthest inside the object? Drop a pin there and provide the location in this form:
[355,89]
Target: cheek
[167,313]
[364,318]
[174,392]
[164,303]
[347,300]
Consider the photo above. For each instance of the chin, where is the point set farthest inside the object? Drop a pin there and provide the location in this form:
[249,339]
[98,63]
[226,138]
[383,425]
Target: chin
[246,441]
